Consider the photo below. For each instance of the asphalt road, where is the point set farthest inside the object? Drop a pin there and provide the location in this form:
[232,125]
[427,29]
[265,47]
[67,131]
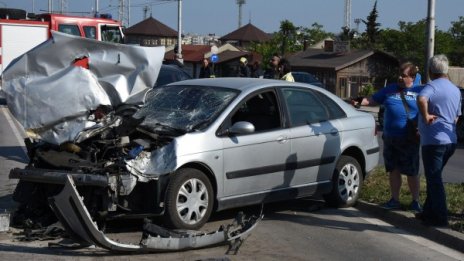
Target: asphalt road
[293,230]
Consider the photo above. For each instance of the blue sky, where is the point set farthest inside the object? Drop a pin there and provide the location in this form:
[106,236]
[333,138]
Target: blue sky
[221,16]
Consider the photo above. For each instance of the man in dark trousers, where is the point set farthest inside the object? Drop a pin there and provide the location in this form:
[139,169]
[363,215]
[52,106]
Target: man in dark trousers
[439,104]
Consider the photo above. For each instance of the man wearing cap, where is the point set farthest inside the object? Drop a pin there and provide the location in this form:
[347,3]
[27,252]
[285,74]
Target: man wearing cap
[439,104]
[243,69]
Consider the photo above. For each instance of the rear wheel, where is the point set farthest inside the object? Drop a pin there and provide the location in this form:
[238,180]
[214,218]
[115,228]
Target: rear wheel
[189,199]
[347,181]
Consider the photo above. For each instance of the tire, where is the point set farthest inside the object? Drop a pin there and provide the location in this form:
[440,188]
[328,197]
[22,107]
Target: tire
[185,207]
[12,13]
[347,181]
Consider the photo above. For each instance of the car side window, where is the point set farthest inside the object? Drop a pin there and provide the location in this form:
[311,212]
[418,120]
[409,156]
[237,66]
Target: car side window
[90,32]
[261,110]
[305,107]
[335,112]
[72,29]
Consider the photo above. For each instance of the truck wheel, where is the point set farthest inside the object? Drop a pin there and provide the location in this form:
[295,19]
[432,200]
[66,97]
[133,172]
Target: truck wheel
[347,181]
[12,13]
[189,199]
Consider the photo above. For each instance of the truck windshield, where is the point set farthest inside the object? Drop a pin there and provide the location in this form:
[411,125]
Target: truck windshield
[111,34]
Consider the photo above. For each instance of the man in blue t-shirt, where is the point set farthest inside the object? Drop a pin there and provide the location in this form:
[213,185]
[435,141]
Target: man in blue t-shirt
[401,154]
[440,106]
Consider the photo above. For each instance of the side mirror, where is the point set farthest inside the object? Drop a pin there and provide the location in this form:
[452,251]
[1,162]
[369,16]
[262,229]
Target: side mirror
[240,127]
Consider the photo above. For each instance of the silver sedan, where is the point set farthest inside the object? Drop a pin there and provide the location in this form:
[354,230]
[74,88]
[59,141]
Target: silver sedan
[213,144]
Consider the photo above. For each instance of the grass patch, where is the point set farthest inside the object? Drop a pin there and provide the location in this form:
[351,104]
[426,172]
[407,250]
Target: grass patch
[376,189]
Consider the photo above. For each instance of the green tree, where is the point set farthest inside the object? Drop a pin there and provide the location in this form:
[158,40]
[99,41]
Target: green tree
[456,31]
[372,27]
[289,39]
[346,34]
[287,34]
[315,33]
[410,42]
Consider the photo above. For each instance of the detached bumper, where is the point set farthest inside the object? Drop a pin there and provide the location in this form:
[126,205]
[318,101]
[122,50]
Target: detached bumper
[72,213]
[58,177]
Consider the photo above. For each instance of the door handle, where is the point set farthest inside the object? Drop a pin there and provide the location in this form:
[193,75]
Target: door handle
[282,139]
[334,132]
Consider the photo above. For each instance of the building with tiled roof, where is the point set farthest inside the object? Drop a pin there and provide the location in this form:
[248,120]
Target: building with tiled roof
[245,35]
[151,32]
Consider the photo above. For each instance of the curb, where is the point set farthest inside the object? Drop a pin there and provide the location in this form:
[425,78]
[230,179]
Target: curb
[405,220]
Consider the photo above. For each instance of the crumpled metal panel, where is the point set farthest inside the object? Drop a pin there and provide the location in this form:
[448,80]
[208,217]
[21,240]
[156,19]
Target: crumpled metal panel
[72,213]
[51,97]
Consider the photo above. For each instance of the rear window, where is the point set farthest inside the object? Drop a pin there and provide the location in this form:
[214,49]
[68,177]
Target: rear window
[71,29]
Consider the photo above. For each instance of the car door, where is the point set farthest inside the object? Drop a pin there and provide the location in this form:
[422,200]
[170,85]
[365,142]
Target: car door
[314,134]
[256,162]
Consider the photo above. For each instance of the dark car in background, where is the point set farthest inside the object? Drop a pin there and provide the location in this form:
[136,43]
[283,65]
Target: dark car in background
[306,77]
[171,73]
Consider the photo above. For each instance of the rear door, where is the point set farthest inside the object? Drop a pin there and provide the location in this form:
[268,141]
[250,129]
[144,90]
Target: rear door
[314,133]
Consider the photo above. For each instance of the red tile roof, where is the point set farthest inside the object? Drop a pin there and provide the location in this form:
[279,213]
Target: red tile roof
[190,53]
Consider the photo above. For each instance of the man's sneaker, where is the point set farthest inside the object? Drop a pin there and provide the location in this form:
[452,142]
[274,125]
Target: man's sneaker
[392,204]
[415,206]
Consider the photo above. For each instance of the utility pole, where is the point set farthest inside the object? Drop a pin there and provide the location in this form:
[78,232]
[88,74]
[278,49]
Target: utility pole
[179,32]
[430,36]
[96,8]
[50,6]
[240,3]
[347,24]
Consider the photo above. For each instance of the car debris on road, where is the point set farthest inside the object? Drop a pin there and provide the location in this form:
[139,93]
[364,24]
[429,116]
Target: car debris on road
[72,213]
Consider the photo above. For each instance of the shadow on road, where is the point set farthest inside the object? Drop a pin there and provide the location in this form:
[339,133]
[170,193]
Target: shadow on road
[15,153]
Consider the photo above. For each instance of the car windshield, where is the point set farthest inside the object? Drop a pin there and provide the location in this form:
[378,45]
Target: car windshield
[183,108]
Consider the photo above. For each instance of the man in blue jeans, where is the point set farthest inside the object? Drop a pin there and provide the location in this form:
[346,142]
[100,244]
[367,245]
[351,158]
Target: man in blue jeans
[439,106]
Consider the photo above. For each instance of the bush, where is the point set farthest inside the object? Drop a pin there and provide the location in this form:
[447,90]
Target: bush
[367,90]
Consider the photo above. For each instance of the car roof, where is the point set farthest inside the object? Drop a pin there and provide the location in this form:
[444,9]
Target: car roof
[240,84]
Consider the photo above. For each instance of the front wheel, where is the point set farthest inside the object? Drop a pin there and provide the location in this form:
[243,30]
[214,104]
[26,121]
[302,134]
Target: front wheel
[347,181]
[189,199]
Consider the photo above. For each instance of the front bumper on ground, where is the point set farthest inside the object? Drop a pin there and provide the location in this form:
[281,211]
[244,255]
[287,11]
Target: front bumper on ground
[72,213]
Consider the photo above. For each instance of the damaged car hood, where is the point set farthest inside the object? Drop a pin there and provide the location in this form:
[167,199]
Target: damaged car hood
[51,89]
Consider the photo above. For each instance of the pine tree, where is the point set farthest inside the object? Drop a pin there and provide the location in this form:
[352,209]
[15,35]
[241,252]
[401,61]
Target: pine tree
[372,27]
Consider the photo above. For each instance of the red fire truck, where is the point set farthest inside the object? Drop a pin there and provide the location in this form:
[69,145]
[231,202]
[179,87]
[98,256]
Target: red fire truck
[18,34]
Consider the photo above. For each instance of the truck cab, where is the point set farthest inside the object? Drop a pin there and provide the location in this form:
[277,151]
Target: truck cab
[102,29]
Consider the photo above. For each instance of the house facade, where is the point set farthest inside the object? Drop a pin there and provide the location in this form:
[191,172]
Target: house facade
[151,32]
[346,73]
